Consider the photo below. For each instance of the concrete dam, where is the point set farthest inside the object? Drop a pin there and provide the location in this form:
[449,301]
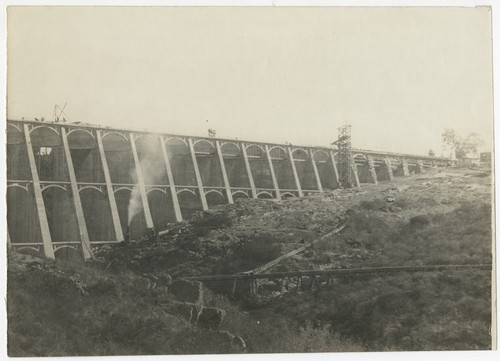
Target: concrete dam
[71,187]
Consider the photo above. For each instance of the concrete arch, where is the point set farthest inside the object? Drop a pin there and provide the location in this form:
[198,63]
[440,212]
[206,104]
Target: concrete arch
[214,197]
[237,193]
[187,191]
[68,253]
[48,186]
[15,127]
[32,248]
[22,215]
[81,139]
[138,136]
[265,194]
[18,186]
[277,153]
[230,148]
[116,190]
[260,149]
[189,202]
[174,139]
[74,130]
[320,151]
[300,150]
[203,146]
[97,213]
[214,191]
[45,136]
[61,214]
[14,135]
[287,194]
[150,190]
[277,147]
[100,190]
[44,126]
[201,140]
[106,134]
[62,246]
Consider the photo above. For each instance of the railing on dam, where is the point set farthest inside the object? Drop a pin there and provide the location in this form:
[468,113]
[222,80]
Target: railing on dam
[72,186]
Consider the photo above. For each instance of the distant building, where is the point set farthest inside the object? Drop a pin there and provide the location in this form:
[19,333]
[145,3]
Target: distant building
[468,162]
[485,159]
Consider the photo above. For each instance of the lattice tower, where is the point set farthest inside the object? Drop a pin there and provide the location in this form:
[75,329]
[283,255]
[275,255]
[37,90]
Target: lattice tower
[344,156]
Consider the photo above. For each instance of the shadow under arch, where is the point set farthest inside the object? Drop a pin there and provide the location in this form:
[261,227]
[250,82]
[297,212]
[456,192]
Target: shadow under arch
[215,198]
[137,227]
[22,216]
[161,207]
[48,151]
[119,158]
[69,253]
[188,202]
[61,215]
[97,213]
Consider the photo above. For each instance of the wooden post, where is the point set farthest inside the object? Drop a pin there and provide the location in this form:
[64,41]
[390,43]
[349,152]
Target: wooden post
[282,286]
[140,183]
[233,290]
[82,225]
[171,183]
[406,171]
[40,205]
[388,164]
[109,189]
[224,173]
[315,169]
[299,284]
[313,283]
[294,170]
[203,199]
[334,166]
[373,172]
[420,165]
[273,175]
[249,170]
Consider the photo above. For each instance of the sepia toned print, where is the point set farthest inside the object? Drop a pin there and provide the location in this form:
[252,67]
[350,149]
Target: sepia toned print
[249,180]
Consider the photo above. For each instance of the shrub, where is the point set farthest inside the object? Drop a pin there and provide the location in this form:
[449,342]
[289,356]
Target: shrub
[374,205]
[419,221]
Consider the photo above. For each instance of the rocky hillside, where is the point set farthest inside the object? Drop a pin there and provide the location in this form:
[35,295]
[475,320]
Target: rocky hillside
[131,299]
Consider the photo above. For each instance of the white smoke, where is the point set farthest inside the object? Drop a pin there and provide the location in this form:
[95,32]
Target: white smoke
[152,168]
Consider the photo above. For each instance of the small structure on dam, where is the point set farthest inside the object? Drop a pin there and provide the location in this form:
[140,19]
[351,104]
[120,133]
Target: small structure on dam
[71,187]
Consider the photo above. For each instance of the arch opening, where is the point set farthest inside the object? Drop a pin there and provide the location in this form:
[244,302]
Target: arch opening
[162,209]
[119,158]
[61,215]
[22,216]
[181,162]
[137,228]
[189,203]
[97,213]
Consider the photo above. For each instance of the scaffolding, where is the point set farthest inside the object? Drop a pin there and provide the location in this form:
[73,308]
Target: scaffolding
[344,156]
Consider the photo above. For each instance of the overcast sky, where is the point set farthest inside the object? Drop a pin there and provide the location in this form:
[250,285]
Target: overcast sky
[398,75]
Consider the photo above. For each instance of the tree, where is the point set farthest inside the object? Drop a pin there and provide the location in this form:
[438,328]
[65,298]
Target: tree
[462,146]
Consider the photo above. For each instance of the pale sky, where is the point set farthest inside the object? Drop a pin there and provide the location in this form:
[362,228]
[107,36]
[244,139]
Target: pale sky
[398,75]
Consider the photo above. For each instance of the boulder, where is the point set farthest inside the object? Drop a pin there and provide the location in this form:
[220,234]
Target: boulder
[188,311]
[187,291]
[211,317]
